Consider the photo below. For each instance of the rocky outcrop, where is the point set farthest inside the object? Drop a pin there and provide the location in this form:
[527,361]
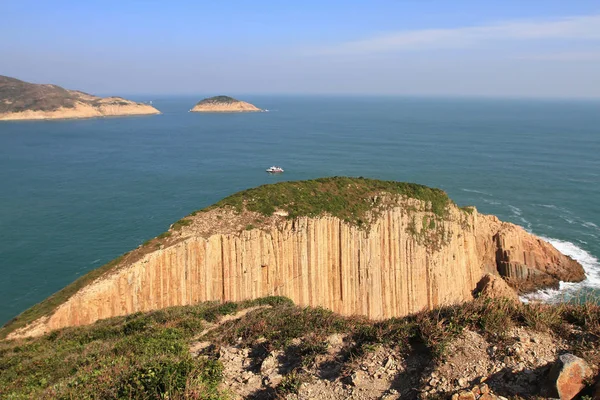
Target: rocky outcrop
[26,101]
[529,262]
[224,104]
[407,260]
[493,286]
[567,377]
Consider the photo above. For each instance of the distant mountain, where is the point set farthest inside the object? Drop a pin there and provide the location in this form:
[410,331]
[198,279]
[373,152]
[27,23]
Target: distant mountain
[224,104]
[21,100]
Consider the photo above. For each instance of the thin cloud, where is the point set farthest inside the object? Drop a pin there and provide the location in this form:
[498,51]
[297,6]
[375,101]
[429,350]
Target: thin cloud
[563,56]
[573,28]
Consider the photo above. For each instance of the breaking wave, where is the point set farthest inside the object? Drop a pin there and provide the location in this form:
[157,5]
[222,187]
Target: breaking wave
[590,264]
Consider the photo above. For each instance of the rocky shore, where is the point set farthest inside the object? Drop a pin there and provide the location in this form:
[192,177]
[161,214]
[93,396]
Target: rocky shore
[27,101]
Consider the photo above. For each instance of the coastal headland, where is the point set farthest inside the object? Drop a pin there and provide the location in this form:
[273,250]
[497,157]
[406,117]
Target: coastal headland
[355,246]
[21,100]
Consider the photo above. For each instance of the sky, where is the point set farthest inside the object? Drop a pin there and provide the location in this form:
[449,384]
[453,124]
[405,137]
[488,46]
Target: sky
[504,48]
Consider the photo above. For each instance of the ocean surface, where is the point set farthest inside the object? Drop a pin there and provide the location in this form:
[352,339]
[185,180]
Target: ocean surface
[76,194]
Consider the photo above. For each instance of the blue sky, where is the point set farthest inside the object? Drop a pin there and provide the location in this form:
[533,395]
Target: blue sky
[548,48]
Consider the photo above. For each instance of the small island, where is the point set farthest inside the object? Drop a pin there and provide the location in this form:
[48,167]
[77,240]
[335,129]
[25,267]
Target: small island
[224,104]
[21,100]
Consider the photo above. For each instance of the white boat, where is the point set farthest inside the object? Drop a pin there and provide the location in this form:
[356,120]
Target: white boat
[275,170]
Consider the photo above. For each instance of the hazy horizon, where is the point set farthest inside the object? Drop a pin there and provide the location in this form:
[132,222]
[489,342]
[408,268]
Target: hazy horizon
[510,49]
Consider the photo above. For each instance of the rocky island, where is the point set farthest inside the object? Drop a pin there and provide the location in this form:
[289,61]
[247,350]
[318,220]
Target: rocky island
[288,291]
[224,104]
[21,100]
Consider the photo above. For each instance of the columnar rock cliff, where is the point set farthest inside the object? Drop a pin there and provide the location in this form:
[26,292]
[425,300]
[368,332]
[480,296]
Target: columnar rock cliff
[405,259]
[223,104]
[27,101]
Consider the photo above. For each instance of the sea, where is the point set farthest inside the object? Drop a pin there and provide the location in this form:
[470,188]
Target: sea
[75,194]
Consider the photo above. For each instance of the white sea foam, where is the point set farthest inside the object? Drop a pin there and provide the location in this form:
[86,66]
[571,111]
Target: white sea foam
[552,206]
[569,220]
[519,214]
[492,202]
[516,210]
[476,191]
[588,224]
[590,264]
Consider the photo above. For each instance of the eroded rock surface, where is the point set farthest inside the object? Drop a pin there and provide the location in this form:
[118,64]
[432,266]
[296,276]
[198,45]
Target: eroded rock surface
[394,268]
[493,286]
[567,377]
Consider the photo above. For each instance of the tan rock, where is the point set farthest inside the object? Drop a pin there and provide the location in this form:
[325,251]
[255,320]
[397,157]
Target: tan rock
[27,101]
[530,263]
[567,377]
[493,287]
[464,395]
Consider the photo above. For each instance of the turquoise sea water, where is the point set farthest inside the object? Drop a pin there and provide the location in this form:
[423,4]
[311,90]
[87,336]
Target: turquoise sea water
[75,194]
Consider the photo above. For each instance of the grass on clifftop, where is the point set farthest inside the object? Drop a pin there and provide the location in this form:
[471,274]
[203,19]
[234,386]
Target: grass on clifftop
[147,355]
[349,199]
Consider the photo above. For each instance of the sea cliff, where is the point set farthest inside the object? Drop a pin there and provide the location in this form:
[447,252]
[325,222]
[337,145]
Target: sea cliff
[352,245]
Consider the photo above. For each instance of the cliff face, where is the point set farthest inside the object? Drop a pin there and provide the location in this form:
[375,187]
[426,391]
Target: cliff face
[26,101]
[224,104]
[404,263]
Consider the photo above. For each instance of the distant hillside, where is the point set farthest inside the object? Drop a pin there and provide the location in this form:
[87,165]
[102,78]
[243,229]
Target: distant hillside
[224,104]
[21,100]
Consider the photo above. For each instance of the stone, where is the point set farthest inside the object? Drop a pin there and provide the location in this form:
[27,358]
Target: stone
[464,395]
[389,363]
[567,377]
[269,363]
[353,379]
[493,287]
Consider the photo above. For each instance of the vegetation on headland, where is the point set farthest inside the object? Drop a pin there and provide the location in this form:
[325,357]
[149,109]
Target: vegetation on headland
[218,100]
[147,355]
[350,199]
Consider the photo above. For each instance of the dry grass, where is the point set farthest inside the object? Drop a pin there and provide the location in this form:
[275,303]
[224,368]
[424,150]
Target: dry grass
[147,355]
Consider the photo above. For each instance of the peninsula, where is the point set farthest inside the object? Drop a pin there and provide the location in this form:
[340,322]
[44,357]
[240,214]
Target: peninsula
[224,104]
[21,100]
[355,246]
